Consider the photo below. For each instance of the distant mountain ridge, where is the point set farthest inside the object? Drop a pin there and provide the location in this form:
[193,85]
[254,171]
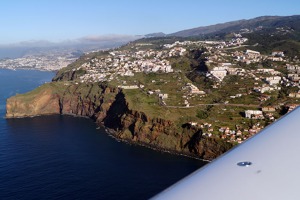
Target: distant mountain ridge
[264,21]
[159,34]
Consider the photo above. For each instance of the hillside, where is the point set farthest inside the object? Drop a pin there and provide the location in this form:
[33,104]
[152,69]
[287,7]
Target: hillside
[264,22]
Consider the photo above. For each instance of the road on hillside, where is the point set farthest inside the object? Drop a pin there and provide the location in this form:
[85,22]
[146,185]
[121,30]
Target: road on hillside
[217,104]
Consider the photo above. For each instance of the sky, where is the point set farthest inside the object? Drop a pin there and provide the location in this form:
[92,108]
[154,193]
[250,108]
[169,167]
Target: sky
[61,20]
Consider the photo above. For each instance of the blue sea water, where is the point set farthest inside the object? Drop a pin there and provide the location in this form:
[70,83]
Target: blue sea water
[64,157]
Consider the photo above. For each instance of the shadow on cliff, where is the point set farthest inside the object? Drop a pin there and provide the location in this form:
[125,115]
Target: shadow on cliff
[193,143]
[116,111]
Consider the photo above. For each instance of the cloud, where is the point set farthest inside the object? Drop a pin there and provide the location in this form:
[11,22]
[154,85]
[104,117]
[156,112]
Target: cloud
[108,38]
[91,39]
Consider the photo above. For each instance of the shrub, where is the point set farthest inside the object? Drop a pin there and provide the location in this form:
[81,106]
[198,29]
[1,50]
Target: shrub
[201,114]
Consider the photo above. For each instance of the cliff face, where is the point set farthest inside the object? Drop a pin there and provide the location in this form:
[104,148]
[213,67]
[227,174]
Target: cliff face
[108,107]
[41,103]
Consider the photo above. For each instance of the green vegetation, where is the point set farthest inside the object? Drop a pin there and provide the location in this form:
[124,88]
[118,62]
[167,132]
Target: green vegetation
[201,114]
[288,43]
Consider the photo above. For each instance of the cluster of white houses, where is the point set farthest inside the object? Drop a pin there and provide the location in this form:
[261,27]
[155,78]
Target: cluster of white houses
[237,134]
[125,64]
[248,56]
[270,79]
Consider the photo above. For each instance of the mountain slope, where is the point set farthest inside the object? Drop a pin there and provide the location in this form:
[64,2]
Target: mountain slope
[265,22]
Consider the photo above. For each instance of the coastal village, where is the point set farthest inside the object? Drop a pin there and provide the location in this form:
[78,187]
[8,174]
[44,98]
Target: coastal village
[251,82]
[223,59]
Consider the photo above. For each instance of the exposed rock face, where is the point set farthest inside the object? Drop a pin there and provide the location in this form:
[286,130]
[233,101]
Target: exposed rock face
[39,104]
[108,107]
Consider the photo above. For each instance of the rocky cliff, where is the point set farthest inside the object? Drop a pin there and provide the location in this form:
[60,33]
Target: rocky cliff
[108,107]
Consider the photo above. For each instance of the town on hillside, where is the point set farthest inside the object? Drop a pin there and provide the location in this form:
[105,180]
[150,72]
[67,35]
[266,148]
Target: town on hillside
[45,61]
[225,88]
[248,90]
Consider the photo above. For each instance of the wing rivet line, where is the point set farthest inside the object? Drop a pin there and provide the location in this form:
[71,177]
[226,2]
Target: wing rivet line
[244,164]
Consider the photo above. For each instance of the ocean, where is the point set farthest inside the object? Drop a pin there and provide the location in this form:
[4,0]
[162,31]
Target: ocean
[65,157]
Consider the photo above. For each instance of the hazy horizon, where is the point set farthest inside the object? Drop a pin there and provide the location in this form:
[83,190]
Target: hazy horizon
[88,43]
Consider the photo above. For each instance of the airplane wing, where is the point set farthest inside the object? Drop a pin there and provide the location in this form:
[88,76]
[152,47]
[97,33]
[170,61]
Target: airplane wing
[266,166]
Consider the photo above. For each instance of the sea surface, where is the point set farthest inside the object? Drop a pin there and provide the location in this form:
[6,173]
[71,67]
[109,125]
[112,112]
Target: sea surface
[64,157]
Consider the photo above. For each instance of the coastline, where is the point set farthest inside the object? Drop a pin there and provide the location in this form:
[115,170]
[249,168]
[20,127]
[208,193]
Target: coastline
[31,69]
[108,107]
[114,134]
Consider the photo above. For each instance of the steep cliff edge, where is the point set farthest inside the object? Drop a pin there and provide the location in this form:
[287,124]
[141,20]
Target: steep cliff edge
[41,101]
[109,107]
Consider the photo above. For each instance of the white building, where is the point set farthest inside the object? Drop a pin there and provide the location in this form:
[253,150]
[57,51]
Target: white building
[163,96]
[278,53]
[273,80]
[254,114]
[252,53]
[219,74]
